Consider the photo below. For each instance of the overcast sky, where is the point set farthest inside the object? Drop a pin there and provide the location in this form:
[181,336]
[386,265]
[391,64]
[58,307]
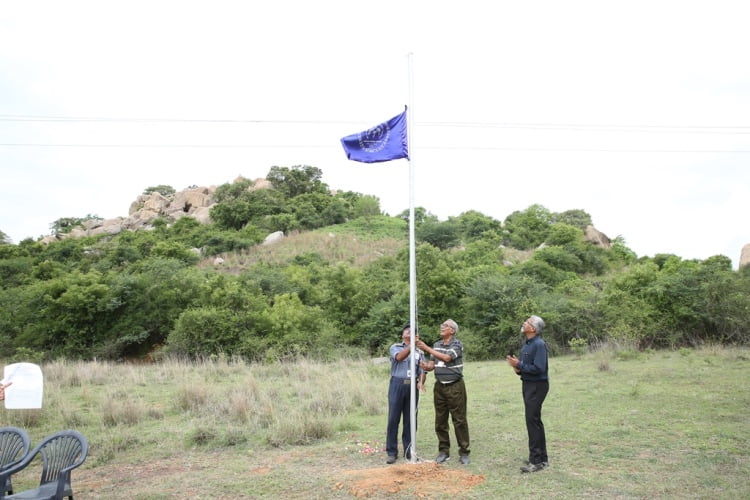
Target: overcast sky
[637,112]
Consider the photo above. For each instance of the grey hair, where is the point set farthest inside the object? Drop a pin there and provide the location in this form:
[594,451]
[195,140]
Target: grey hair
[452,324]
[537,323]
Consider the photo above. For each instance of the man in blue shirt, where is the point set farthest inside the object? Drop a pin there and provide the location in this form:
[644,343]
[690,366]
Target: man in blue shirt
[533,368]
[399,394]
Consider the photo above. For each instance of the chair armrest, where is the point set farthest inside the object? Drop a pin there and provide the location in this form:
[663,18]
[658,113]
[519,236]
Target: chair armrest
[15,467]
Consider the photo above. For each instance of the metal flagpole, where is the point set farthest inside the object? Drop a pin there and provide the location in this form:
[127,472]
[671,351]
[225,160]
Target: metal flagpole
[412,272]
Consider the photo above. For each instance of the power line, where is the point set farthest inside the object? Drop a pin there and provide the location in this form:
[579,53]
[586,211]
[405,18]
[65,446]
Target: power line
[313,146]
[85,119]
[268,146]
[573,127]
[725,129]
[581,127]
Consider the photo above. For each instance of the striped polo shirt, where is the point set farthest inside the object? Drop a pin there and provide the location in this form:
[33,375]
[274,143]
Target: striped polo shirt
[452,371]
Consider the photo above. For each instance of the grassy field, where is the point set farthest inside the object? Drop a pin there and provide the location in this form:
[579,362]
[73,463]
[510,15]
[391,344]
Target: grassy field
[620,424]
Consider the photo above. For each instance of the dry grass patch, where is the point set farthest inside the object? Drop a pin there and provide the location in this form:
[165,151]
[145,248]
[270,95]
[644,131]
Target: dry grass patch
[355,250]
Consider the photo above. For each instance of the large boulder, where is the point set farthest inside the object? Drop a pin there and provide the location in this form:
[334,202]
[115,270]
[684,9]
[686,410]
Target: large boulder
[190,200]
[156,202]
[137,204]
[593,235]
[273,238]
[260,184]
[109,226]
[193,202]
[203,214]
[745,256]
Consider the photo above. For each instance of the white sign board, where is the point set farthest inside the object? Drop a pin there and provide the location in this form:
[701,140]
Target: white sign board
[26,390]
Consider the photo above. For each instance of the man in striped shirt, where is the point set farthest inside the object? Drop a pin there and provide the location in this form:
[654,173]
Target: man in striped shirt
[449,394]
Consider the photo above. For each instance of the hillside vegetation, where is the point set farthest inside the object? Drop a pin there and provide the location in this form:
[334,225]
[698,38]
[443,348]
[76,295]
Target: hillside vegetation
[338,283]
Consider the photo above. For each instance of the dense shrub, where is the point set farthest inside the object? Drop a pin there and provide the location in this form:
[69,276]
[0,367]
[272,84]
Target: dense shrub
[127,295]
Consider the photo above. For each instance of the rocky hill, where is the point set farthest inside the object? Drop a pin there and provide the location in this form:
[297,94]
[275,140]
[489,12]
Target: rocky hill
[193,202]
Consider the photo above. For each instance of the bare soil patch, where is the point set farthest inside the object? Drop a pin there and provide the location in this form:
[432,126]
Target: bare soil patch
[422,480]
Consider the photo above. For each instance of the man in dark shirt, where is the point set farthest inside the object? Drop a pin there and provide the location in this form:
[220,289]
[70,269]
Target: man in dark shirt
[534,371]
[449,394]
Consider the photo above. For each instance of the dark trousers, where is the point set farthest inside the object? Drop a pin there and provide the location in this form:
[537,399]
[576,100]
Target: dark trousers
[451,400]
[533,397]
[399,406]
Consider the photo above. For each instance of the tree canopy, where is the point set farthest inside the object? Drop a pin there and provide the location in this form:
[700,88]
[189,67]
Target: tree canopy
[149,293]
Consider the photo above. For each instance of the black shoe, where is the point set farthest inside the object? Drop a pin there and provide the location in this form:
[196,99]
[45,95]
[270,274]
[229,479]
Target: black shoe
[442,458]
[391,459]
[534,467]
[465,459]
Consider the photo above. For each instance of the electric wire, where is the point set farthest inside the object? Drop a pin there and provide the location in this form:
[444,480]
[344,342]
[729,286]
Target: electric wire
[565,127]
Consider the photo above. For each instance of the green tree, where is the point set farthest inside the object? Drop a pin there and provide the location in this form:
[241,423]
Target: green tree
[571,310]
[439,284]
[174,250]
[365,206]
[474,225]
[421,215]
[485,253]
[561,234]
[620,252]
[297,180]
[383,322]
[15,271]
[628,315]
[150,296]
[310,209]
[231,214]
[442,235]
[494,306]
[64,225]
[540,270]
[67,316]
[210,330]
[576,218]
[345,296]
[233,190]
[723,302]
[293,325]
[240,207]
[162,189]
[559,258]
[528,228]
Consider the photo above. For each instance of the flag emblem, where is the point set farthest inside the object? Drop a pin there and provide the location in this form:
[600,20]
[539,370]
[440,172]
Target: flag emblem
[384,142]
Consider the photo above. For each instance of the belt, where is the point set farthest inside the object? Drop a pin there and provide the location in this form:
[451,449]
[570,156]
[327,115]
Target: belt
[403,380]
[451,383]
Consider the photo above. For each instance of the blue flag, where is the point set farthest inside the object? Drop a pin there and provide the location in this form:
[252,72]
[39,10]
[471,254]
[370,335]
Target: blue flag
[384,142]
